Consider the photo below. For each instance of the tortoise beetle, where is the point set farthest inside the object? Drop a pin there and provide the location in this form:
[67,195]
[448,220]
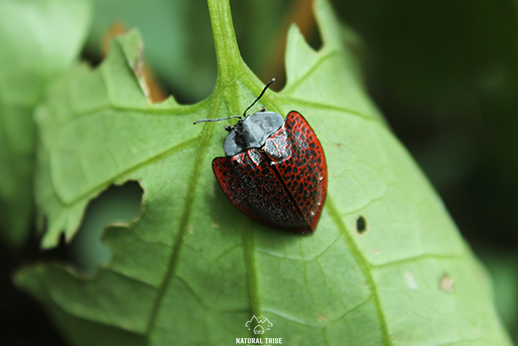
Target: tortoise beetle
[274,171]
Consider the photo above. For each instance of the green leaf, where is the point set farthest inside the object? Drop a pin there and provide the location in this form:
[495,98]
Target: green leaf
[193,270]
[35,48]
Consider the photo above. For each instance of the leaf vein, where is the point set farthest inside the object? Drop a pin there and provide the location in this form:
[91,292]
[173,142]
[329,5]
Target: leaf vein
[364,266]
[293,86]
[171,267]
[181,146]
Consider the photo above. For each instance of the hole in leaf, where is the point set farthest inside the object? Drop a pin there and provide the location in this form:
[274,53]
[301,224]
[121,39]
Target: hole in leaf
[361,225]
[32,252]
[117,204]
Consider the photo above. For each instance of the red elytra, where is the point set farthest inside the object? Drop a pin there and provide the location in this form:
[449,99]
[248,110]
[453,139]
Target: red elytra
[283,184]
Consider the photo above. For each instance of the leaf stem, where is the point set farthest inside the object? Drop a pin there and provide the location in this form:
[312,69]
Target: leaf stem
[227,51]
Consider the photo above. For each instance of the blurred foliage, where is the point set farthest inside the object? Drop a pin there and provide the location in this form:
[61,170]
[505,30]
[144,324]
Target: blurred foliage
[443,73]
[34,50]
[178,41]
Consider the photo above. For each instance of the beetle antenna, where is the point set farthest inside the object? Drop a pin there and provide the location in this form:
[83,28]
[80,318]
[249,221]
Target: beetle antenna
[260,95]
[218,119]
[237,116]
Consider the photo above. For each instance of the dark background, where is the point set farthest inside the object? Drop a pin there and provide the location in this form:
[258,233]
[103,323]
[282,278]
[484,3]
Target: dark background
[444,74]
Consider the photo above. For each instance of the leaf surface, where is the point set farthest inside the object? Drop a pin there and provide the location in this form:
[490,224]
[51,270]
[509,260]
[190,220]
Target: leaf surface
[193,270]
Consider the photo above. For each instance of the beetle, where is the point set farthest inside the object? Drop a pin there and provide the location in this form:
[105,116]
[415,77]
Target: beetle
[275,170]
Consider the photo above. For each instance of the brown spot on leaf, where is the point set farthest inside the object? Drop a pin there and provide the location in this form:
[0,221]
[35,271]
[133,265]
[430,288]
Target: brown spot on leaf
[446,284]
[322,317]
[116,29]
